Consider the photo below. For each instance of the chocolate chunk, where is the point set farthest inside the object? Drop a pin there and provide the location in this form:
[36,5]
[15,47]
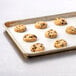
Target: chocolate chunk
[30,36]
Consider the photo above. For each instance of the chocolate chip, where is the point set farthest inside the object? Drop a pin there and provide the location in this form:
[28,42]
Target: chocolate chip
[35,47]
[62,45]
[40,45]
[63,20]
[72,30]
[62,23]
[42,24]
[54,31]
[25,36]
[50,35]
[30,36]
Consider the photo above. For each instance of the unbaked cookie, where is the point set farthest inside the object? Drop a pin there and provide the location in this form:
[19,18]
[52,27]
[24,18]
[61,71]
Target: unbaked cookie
[20,28]
[60,43]
[41,25]
[37,47]
[60,21]
[51,33]
[71,30]
[30,38]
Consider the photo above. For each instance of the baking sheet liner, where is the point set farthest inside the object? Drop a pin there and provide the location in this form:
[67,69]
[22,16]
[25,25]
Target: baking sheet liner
[40,33]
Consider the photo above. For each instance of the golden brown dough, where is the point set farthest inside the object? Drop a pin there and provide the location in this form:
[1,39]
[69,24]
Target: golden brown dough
[60,21]
[20,28]
[60,43]
[41,25]
[30,38]
[51,33]
[71,30]
[37,47]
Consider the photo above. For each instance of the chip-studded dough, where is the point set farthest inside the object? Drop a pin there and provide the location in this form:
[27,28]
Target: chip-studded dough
[71,30]
[20,28]
[51,33]
[60,43]
[60,21]
[30,38]
[37,47]
[40,25]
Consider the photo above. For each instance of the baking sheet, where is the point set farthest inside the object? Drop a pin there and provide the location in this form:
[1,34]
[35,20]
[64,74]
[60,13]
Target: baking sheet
[40,33]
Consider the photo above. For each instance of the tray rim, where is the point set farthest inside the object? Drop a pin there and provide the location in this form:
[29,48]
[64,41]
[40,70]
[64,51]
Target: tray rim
[65,15]
[8,24]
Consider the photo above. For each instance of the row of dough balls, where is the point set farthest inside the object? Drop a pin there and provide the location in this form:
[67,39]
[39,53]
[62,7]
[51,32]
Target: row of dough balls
[49,34]
[41,25]
[37,47]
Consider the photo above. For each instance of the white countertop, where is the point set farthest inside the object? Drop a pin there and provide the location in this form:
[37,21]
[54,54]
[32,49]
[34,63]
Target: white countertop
[12,62]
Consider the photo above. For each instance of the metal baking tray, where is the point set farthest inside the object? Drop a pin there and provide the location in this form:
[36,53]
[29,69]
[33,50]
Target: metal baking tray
[48,43]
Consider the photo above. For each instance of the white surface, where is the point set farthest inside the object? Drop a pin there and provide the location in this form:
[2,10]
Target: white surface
[48,43]
[11,61]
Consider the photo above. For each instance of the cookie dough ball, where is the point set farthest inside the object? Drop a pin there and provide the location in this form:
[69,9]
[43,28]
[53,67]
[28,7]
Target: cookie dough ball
[41,25]
[30,38]
[37,47]
[20,28]
[71,30]
[60,43]
[60,21]
[51,33]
